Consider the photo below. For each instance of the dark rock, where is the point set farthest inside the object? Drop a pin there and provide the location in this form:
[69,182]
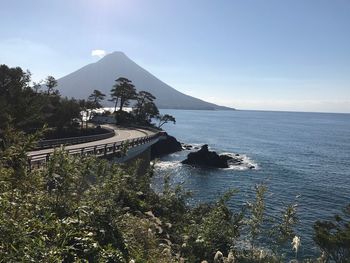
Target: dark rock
[167,146]
[204,157]
[187,147]
[226,157]
[207,158]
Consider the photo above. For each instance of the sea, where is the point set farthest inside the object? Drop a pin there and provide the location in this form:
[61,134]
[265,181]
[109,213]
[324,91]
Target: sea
[303,159]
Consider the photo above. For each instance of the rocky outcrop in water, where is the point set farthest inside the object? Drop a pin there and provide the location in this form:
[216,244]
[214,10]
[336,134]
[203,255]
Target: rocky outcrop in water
[189,147]
[207,158]
[204,157]
[167,146]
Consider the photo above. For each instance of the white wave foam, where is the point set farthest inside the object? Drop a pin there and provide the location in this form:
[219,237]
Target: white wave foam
[167,165]
[245,164]
[193,146]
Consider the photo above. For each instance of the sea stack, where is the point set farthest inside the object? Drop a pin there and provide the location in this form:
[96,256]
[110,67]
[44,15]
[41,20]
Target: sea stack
[164,147]
[204,157]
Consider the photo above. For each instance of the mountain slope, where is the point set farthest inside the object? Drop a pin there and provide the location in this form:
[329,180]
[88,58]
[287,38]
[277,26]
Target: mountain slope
[102,75]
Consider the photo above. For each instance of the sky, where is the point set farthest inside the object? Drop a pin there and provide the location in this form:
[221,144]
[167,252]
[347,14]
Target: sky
[291,55]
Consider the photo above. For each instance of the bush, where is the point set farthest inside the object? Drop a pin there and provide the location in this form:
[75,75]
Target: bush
[333,237]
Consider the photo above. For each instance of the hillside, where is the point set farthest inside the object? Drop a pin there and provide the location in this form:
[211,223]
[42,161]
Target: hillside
[102,75]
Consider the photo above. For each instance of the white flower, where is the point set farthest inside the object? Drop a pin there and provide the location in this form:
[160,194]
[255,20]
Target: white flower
[261,254]
[218,257]
[296,243]
[199,239]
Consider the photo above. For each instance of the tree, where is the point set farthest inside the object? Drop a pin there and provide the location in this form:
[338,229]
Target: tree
[96,97]
[150,111]
[114,97]
[65,112]
[145,108]
[37,86]
[123,90]
[165,119]
[51,83]
[19,104]
[143,97]
[25,108]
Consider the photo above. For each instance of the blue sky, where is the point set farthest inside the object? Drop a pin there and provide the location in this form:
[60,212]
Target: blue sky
[249,54]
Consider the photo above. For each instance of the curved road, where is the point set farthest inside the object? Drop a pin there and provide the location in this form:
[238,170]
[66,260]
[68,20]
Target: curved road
[121,134]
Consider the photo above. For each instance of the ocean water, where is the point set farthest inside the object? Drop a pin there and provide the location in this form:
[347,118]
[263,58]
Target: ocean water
[303,158]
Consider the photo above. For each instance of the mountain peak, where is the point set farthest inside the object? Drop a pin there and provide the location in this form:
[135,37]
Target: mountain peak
[102,75]
[114,56]
[117,53]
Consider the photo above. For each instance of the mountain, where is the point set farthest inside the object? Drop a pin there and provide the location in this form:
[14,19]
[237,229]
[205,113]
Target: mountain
[102,75]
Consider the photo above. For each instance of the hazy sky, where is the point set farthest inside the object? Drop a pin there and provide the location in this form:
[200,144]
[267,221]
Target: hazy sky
[262,54]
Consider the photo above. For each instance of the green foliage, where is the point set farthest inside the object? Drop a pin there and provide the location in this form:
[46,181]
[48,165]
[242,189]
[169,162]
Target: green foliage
[333,237]
[65,113]
[163,119]
[51,83]
[124,118]
[25,107]
[145,109]
[256,209]
[96,97]
[213,227]
[18,103]
[123,90]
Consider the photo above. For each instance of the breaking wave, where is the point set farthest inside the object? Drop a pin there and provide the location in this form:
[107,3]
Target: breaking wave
[244,163]
[167,165]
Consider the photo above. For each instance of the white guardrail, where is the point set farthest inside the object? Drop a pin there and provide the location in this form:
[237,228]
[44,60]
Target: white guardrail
[37,160]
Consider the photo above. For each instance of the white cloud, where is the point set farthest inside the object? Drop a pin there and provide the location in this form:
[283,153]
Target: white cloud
[98,53]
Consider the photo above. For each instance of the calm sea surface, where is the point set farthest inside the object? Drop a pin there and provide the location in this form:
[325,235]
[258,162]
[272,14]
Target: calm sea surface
[296,154]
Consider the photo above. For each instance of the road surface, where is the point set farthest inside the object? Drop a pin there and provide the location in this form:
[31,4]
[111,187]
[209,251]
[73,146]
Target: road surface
[121,134]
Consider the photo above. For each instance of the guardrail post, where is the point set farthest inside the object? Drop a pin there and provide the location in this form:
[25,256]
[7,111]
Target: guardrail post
[105,153]
[82,151]
[95,150]
[114,145]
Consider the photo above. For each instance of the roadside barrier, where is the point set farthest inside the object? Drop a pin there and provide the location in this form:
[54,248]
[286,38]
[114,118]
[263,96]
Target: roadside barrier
[100,150]
[44,144]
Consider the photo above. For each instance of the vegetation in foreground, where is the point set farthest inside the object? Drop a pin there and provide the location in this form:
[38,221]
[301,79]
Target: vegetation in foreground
[83,209]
